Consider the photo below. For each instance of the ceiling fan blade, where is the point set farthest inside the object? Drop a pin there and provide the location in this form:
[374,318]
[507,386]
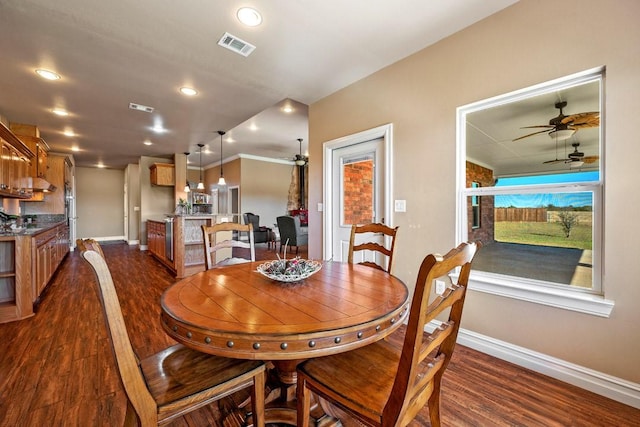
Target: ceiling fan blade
[531,134]
[550,162]
[590,159]
[583,120]
[538,126]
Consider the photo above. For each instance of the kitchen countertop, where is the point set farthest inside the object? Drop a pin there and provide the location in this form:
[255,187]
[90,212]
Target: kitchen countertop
[31,230]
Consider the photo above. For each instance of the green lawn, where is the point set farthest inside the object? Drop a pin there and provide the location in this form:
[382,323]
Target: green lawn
[543,234]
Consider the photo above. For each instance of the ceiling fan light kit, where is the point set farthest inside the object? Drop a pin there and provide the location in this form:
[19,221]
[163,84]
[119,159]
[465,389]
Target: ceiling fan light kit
[300,160]
[561,134]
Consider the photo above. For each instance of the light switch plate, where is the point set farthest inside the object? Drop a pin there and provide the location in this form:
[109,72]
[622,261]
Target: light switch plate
[400,205]
[320,207]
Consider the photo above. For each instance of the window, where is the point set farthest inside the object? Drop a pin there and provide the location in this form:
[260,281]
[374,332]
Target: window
[475,207]
[530,188]
[358,190]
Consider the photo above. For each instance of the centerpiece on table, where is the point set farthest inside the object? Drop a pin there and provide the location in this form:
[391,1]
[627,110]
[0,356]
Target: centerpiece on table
[289,270]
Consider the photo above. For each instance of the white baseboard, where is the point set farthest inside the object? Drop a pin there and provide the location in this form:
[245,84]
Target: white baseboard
[133,242]
[108,238]
[615,388]
[144,247]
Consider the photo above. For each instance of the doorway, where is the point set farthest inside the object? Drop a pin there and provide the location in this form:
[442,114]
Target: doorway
[371,149]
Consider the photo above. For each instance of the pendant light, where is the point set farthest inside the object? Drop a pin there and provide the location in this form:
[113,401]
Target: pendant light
[201,183]
[221,181]
[187,189]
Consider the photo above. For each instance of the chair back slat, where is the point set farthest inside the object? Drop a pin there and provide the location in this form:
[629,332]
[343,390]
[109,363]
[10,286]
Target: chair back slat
[368,231]
[215,242]
[126,360]
[424,356]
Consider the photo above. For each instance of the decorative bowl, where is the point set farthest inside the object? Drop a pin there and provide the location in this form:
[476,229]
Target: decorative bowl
[290,270]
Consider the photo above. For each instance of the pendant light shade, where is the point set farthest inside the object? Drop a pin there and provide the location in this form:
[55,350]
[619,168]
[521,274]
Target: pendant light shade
[201,183]
[187,189]
[221,181]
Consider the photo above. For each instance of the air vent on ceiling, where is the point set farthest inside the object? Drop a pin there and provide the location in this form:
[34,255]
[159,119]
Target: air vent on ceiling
[139,107]
[235,44]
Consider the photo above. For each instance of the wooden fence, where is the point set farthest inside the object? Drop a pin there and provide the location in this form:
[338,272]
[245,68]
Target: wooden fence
[521,214]
[537,215]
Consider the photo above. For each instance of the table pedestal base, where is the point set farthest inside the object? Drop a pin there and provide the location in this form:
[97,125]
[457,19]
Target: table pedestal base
[280,403]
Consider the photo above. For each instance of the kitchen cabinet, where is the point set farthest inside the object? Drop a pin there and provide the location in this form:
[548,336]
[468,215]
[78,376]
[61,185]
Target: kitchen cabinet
[15,165]
[156,235]
[157,242]
[30,136]
[28,261]
[163,174]
[50,249]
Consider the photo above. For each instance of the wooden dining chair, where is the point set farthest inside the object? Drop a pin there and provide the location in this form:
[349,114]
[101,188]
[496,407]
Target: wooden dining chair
[368,231]
[177,380]
[220,237]
[380,385]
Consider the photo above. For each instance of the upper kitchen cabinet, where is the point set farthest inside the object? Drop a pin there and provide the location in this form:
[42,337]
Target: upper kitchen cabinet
[163,174]
[15,165]
[30,136]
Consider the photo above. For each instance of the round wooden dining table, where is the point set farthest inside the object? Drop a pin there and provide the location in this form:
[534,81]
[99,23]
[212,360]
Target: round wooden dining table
[236,312]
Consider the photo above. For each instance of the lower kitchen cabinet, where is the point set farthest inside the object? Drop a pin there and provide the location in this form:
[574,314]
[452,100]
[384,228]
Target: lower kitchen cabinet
[28,263]
[157,242]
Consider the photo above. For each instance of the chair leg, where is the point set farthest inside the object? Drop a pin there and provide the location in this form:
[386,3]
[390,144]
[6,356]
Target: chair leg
[257,399]
[303,404]
[434,405]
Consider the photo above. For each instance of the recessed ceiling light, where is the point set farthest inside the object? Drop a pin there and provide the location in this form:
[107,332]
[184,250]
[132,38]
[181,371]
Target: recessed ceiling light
[249,16]
[69,132]
[188,91]
[147,142]
[60,112]
[287,109]
[100,165]
[46,74]
[253,127]
[75,148]
[158,128]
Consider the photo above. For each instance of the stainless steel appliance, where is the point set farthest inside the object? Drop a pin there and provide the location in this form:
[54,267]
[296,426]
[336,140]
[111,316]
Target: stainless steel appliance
[168,238]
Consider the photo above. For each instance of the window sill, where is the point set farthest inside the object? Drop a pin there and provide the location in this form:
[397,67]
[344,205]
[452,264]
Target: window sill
[505,286]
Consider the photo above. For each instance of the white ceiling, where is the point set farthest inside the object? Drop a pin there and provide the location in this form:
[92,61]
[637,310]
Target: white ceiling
[111,53]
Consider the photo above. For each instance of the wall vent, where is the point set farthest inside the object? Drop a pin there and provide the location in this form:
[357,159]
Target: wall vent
[235,44]
[140,107]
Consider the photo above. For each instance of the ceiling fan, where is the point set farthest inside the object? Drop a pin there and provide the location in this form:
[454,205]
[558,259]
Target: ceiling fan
[299,159]
[575,158]
[563,127]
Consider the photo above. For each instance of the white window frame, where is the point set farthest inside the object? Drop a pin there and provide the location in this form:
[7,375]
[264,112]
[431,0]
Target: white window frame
[591,301]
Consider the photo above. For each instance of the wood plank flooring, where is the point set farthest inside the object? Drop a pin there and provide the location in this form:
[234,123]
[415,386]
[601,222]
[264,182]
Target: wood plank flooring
[57,369]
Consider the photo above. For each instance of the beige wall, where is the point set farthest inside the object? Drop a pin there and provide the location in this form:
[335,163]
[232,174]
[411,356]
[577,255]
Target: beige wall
[99,203]
[521,46]
[132,179]
[264,189]
[264,197]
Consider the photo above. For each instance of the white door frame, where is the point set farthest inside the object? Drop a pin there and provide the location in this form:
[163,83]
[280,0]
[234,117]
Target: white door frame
[385,132]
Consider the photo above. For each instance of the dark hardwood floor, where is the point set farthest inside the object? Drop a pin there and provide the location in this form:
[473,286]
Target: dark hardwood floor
[57,369]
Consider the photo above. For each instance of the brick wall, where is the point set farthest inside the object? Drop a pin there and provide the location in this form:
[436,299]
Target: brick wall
[483,176]
[358,192]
